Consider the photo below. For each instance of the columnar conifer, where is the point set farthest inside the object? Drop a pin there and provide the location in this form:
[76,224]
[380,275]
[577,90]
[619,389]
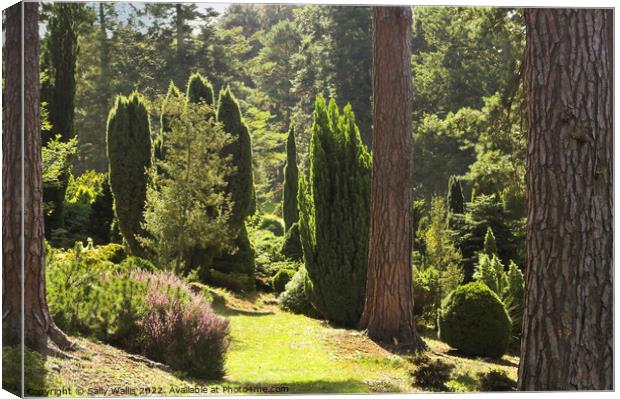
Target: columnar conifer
[239,184]
[455,196]
[291,177]
[334,206]
[199,89]
[129,156]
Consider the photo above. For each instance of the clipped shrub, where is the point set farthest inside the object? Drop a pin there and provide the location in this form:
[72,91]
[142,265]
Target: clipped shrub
[294,298]
[431,374]
[291,247]
[474,320]
[282,277]
[272,223]
[496,380]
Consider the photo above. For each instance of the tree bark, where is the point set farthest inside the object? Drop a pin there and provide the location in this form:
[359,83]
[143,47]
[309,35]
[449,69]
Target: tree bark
[22,185]
[567,341]
[388,311]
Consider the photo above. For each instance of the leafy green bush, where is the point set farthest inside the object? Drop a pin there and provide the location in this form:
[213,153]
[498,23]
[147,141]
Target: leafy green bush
[426,294]
[272,223]
[282,277]
[267,247]
[134,263]
[474,320]
[496,380]
[431,374]
[155,314]
[294,298]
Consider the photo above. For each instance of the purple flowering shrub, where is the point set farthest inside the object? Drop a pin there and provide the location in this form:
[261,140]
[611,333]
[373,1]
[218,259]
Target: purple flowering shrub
[181,329]
[152,313]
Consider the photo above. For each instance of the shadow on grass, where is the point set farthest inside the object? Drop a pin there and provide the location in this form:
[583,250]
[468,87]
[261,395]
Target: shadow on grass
[35,374]
[299,387]
[500,362]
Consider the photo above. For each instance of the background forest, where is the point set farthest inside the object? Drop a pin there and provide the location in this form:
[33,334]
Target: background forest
[211,155]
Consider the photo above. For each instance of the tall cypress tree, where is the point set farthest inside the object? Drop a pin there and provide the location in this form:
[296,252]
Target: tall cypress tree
[239,185]
[291,177]
[60,59]
[334,214]
[455,196]
[129,156]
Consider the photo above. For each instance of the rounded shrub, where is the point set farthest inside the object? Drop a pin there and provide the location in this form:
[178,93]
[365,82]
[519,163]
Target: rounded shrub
[273,224]
[294,298]
[474,320]
[282,277]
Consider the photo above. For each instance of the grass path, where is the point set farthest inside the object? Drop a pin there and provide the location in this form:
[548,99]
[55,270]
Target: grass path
[270,349]
[307,355]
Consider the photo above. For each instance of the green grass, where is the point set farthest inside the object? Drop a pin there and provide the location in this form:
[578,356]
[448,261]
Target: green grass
[283,349]
[271,350]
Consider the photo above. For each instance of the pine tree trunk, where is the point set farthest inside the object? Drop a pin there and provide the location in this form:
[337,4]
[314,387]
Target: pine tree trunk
[388,311]
[567,339]
[22,164]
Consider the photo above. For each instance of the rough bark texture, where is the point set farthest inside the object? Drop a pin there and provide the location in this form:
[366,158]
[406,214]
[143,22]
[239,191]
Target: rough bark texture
[11,180]
[22,163]
[388,311]
[567,339]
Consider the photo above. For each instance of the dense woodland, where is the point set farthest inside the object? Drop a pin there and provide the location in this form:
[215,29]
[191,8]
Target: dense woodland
[186,151]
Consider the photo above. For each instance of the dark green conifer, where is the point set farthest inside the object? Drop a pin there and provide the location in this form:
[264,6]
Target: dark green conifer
[455,199]
[60,59]
[240,183]
[291,184]
[334,215]
[199,89]
[129,155]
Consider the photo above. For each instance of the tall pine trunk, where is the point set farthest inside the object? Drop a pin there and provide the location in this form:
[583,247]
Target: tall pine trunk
[22,220]
[388,311]
[567,339]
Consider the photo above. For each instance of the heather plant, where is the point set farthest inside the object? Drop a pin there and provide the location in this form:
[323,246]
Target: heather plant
[155,314]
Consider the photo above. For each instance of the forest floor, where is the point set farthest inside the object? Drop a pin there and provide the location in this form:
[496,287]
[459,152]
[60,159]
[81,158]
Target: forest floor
[270,352]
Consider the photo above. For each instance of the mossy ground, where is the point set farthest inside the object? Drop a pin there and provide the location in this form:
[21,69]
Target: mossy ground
[270,352]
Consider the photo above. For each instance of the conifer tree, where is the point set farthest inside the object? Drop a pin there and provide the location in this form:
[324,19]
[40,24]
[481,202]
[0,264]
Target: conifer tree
[239,185]
[60,60]
[164,122]
[199,89]
[291,184]
[490,246]
[455,196]
[334,206]
[129,156]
